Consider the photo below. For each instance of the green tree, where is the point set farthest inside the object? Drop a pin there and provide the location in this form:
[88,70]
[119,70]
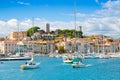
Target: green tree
[79,34]
[69,33]
[61,49]
[32,30]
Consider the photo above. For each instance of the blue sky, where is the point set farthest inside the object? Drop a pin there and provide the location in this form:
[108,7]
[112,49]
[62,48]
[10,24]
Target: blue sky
[48,9]
[95,16]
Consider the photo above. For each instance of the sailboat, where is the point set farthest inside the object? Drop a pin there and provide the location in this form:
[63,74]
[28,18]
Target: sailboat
[30,64]
[77,61]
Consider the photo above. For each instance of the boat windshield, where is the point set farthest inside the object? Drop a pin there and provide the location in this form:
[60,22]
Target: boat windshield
[77,60]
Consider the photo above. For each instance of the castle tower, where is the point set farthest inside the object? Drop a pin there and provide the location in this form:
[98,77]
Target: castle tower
[48,28]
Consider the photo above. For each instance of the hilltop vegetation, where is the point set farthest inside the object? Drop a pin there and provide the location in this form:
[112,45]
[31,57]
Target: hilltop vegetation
[69,33]
[32,30]
[59,33]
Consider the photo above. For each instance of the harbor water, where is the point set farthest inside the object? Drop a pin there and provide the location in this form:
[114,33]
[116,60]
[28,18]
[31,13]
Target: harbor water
[55,69]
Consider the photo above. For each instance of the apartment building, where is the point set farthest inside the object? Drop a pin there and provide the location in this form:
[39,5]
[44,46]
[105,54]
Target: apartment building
[17,35]
[44,36]
[7,46]
[42,47]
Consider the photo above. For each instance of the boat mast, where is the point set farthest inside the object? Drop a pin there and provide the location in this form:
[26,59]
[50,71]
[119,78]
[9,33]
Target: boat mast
[114,45]
[18,37]
[33,33]
[98,45]
[75,16]
[75,23]
[103,46]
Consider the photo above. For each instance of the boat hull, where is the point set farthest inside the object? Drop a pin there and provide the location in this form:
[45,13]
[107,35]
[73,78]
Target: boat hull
[67,61]
[15,58]
[78,65]
[30,66]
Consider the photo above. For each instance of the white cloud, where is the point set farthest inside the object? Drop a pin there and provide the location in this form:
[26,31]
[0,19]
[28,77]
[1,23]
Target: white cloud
[23,3]
[7,26]
[111,4]
[107,25]
[25,24]
[12,22]
[2,23]
[110,8]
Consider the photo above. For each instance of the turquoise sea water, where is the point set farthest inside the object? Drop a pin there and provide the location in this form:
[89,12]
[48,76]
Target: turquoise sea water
[55,69]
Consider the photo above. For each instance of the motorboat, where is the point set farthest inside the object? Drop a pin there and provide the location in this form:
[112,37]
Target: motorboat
[77,63]
[30,65]
[67,60]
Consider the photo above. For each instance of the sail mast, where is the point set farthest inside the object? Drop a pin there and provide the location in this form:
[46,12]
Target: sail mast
[18,37]
[33,32]
[75,16]
[75,23]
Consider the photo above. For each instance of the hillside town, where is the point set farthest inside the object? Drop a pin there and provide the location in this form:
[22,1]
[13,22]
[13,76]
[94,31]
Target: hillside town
[59,39]
[46,42]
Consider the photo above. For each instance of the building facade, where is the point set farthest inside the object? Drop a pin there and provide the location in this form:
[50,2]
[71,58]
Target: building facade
[7,46]
[17,35]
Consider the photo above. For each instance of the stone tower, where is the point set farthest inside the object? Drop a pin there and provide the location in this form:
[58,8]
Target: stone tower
[48,28]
